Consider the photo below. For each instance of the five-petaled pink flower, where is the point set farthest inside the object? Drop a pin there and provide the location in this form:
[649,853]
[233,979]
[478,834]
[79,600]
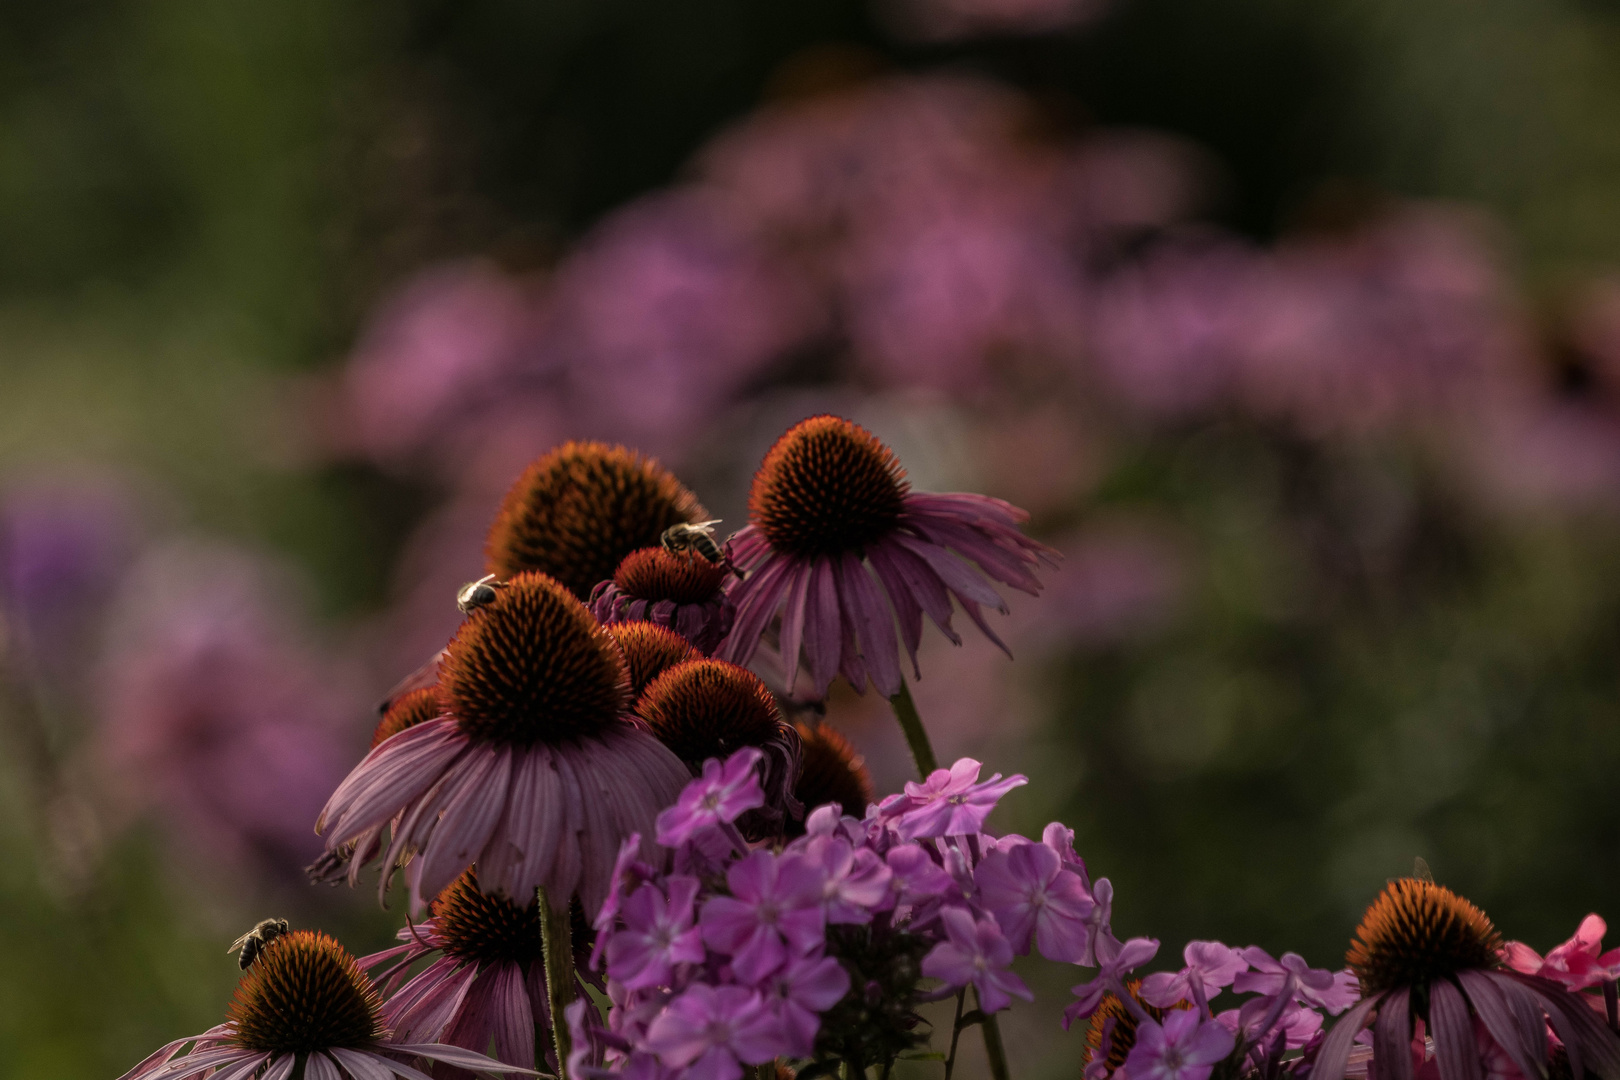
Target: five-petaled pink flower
[715,1030]
[721,795]
[1115,960]
[1033,897]
[1578,963]
[774,913]
[1184,1046]
[976,952]
[657,934]
[951,802]
[798,992]
[1210,966]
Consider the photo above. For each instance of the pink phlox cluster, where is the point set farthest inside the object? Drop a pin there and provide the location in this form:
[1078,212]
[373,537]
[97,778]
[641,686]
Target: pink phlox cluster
[1578,963]
[1211,966]
[1115,960]
[720,955]
[1185,1046]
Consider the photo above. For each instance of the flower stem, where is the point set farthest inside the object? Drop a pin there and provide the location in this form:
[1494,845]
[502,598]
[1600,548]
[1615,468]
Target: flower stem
[556,939]
[905,711]
[992,1042]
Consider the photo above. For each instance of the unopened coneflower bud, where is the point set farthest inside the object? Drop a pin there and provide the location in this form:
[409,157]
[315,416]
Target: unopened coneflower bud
[407,710]
[649,651]
[705,709]
[577,511]
[678,589]
[832,771]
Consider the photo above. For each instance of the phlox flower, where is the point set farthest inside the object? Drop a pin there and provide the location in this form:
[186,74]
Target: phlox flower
[715,1030]
[976,952]
[854,881]
[798,992]
[1033,897]
[774,912]
[1577,963]
[1291,975]
[915,878]
[951,802]
[657,934]
[1182,1047]
[1116,959]
[719,796]
[1210,966]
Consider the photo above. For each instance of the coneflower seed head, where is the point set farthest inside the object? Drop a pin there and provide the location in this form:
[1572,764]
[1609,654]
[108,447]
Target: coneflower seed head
[1123,1037]
[486,929]
[649,651]
[406,711]
[705,709]
[577,511]
[656,574]
[832,771]
[1416,932]
[532,666]
[304,993]
[827,486]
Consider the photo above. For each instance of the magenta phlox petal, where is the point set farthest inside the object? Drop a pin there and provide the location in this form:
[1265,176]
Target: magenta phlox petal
[854,881]
[1034,898]
[715,1030]
[657,934]
[1060,838]
[950,803]
[975,951]
[915,878]
[1182,1047]
[798,992]
[1210,967]
[774,912]
[723,793]
[1115,959]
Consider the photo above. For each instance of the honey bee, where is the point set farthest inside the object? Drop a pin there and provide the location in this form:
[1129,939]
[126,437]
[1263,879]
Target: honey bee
[256,940]
[476,594]
[697,536]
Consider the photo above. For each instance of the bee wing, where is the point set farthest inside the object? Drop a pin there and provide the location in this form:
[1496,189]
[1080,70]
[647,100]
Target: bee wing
[241,943]
[1421,871]
[707,526]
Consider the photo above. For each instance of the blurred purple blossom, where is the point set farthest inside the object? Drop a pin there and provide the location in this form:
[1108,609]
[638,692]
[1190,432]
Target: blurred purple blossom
[951,20]
[217,714]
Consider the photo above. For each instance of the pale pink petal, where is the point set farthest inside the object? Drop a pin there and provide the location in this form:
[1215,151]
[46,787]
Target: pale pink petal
[514,1017]
[823,630]
[362,1066]
[470,816]
[792,634]
[389,777]
[318,1066]
[875,623]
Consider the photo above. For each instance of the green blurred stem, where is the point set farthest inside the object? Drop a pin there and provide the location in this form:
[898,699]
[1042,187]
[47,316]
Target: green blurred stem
[556,938]
[905,711]
[992,1042]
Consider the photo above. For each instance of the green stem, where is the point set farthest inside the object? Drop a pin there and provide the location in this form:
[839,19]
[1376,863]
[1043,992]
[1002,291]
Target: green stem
[992,1042]
[556,938]
[905,711]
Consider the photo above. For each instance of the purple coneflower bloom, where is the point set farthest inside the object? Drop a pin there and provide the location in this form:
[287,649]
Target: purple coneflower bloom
[976,952]
[774,912]
[839,544]
[305,1005]
[1182,1047]
[715,1030]
[535,771]
[1422,951]
[681,590]
[487,984]
[951,802]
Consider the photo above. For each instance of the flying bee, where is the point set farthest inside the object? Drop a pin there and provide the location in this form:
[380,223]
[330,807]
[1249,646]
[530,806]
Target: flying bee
[476,594]
[697,536]
[256,940]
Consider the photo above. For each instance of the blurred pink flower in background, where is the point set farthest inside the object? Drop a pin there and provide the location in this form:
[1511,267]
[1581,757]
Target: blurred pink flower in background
[218,715]
[950,20]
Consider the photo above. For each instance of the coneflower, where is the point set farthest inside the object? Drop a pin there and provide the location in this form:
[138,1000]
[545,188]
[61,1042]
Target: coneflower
[1424,952]
[649,651]
[832,772]
[406,711]
[578,511]
[535,770]
[487,983]
[305,1007]
[679,589]
[704,709]
[840,546]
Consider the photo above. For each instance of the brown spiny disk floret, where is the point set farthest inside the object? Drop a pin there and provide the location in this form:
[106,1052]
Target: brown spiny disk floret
[406,711]
[705,709]
[532,666]
[1123,1035]
[486,929]
[827,486]
[833,772]
[577,511]
[649,651]
[1416,932]
[304,993]
[684,577]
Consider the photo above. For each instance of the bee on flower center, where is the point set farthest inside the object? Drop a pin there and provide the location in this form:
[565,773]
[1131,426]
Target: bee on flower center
[255,941]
